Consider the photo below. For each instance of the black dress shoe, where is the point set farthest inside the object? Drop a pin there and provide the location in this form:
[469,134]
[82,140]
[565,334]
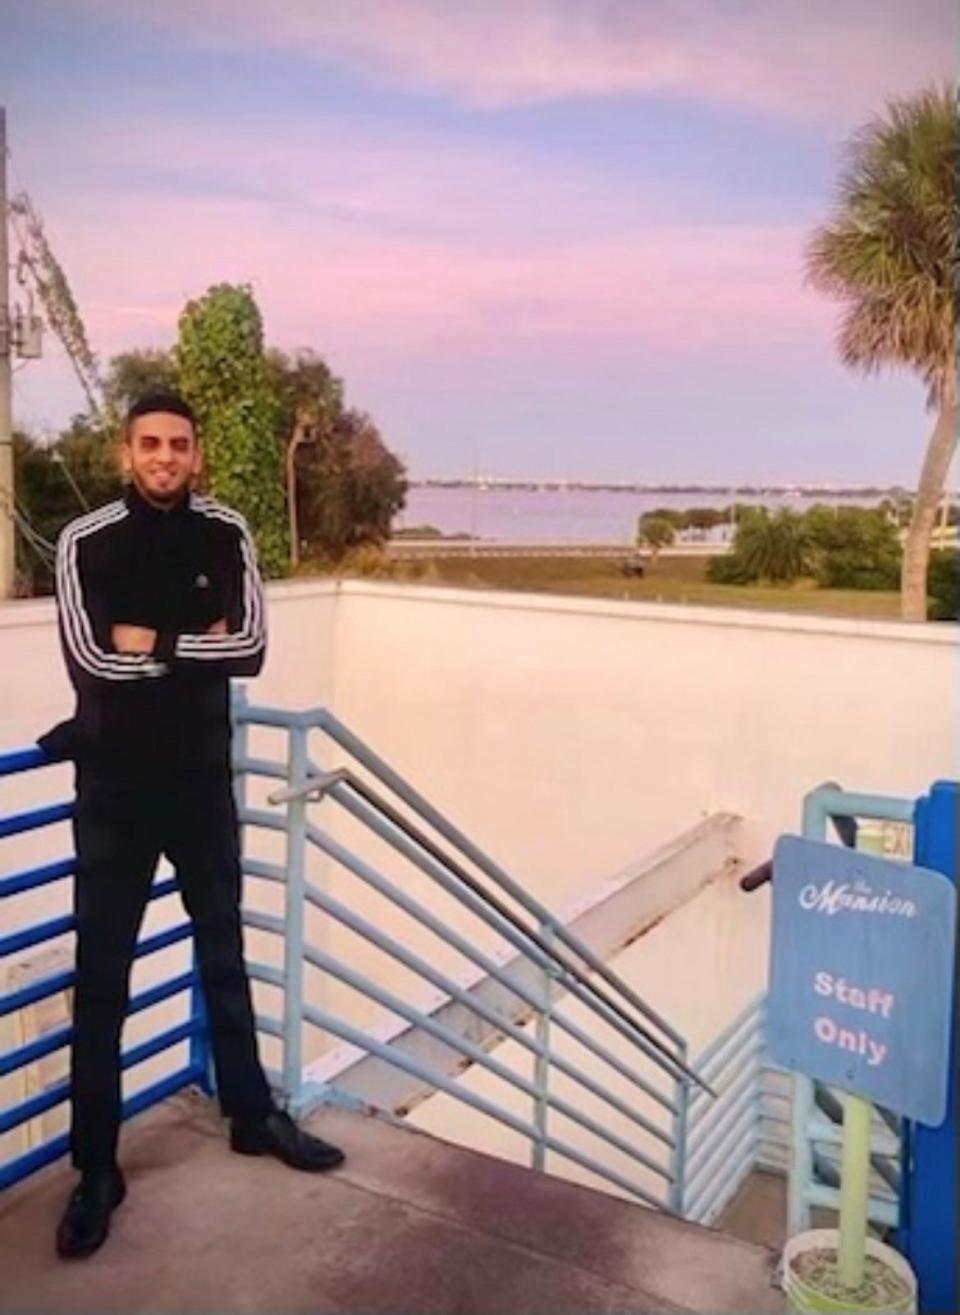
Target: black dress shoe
[278,1135]
[86,1220]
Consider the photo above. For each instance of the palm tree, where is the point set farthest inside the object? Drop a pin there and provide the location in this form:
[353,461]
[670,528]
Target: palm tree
[772,547]
[889,252]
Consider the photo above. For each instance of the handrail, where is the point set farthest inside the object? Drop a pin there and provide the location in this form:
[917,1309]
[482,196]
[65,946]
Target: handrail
[548,956]
[328,964]
[336,909]
[22,760]
[423,1054]
[724,1134]
[827,1102]
[327,782]
[328,1022]
[446,984]
[353,745]
[843,824]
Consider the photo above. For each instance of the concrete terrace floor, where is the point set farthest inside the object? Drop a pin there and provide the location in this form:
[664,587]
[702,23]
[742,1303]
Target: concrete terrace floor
[758,1212]
[409,1224]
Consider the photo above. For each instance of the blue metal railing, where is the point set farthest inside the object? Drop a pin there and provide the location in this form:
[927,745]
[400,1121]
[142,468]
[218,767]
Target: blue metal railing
[752,1125]
[636,1073]
[724,1135]
[649,1109]
[766,1118]
[427,1053]
[20,1112]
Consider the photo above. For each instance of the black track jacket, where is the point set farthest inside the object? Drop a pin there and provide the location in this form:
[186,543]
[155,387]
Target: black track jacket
[177,572]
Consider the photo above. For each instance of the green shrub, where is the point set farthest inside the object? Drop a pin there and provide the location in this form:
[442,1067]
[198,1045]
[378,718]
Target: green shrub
[767,546]
[728,569]
[847,569]
[368,560]
[853,548]
[943,585]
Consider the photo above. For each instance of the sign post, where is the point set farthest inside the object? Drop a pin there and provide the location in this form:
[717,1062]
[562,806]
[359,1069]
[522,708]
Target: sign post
[861,992]
[854,1189]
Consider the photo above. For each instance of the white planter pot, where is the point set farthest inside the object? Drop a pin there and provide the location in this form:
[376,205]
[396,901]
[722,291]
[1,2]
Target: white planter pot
[804,1299]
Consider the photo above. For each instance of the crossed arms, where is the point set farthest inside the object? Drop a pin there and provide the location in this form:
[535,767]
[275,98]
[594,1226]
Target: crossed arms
[99,648]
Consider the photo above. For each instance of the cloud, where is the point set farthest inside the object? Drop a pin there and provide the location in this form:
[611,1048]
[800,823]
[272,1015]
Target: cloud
[806,58]
[411,248]
[392,310]
[445,268]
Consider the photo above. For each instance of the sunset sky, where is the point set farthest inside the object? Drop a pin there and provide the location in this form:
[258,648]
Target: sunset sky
[542,237]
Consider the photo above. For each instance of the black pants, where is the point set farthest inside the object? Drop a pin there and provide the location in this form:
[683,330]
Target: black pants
[121,830]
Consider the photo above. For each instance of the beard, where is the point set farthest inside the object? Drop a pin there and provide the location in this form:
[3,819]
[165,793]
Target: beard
[165,496]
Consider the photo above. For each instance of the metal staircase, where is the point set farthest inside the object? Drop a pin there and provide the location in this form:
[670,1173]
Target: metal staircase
[470,959]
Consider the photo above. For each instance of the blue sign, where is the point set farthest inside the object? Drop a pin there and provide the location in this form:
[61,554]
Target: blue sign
[861,974]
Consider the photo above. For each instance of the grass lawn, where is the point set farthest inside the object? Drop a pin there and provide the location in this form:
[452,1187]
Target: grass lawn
[670,580]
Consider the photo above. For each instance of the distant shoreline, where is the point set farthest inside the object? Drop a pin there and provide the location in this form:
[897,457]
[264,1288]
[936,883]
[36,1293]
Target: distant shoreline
[492,485]
[564,513]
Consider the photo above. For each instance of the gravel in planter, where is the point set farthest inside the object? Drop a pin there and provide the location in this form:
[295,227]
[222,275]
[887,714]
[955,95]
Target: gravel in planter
[881,1287]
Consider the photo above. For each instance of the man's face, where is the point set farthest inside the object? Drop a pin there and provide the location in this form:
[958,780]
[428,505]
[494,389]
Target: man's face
[161,455]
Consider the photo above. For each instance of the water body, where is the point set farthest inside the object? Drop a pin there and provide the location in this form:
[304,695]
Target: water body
[559,516]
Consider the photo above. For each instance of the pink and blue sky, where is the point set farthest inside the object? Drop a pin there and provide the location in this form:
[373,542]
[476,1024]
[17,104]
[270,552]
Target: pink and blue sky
[549,237]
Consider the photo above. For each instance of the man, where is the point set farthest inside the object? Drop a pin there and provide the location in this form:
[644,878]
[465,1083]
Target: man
[160,603]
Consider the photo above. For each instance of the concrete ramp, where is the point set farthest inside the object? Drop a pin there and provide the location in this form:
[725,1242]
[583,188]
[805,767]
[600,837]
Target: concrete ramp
[409,1225]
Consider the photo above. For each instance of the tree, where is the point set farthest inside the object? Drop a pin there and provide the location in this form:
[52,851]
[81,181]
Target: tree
[889,253]
[307,390]
[309,398]
[852,547]
[225,377]
[766,547]
[352,486]
[349,486]
[55,483]
[669,514]
[131,374]
[326,519]
[249,405]
[44,503]
[90,458]
[655,532]
[378,485]
[704,518]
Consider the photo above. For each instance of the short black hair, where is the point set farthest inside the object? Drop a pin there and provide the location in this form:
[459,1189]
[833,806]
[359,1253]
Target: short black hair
[165,400]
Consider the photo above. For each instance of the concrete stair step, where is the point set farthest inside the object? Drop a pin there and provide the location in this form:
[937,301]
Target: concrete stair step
[409,1224]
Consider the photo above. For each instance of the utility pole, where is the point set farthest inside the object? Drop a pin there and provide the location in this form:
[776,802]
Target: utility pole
[7,547]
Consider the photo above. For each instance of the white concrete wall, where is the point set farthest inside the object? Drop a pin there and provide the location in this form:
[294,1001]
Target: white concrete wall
[570,734]
[35,693]
[567,736]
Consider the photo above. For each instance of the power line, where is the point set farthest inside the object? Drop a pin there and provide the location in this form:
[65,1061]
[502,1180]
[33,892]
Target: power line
[52,287]
[11,162]
[15,512]
[42,546]
[37,542]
